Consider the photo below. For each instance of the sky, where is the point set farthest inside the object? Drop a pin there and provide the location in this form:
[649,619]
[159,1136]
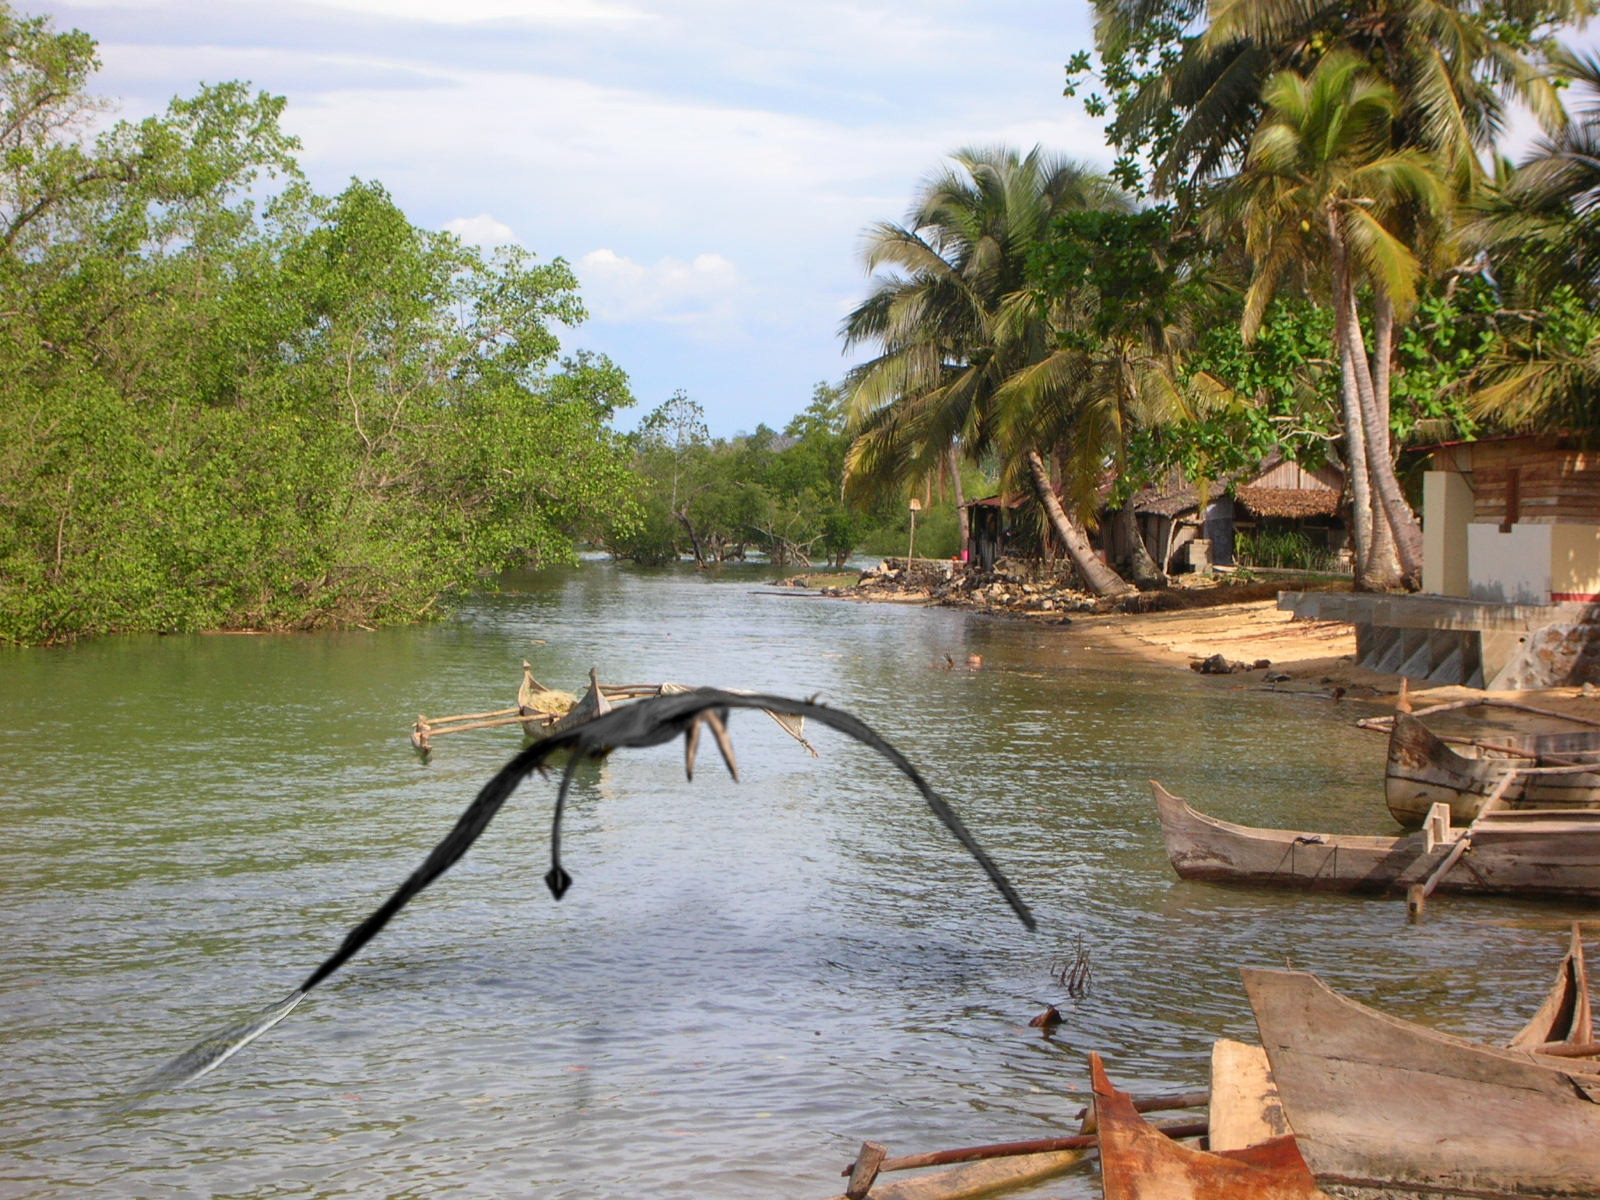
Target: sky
[706,166]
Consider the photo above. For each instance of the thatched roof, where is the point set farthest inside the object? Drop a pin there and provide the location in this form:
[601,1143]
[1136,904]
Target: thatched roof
[1168,504]
[1289,502]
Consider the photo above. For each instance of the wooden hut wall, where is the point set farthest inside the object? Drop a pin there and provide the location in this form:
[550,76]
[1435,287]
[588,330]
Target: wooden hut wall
[1514,482]
[986,534]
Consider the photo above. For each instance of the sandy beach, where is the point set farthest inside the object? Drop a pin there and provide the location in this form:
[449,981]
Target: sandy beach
[1317,656]
[1240,623]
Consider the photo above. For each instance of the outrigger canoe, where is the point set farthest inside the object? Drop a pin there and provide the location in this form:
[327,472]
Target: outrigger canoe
[1551,770]
[543,711]
[1379,1102]
[1536,852]
[1138,1162]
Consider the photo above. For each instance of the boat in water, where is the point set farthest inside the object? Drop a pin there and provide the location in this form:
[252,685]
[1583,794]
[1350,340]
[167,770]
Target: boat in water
[1559,769]
[1380,1102]
[1532,852]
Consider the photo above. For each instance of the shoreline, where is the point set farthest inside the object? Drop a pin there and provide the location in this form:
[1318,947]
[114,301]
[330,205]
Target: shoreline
[1300,656]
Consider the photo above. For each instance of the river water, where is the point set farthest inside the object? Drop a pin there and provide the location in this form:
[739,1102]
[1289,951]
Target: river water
[745,981]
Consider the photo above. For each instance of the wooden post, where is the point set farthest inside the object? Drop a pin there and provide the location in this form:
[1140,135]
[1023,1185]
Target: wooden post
[1417,895]
[868,1159]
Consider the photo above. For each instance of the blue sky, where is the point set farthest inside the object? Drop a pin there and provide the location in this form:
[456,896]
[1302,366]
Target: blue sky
[707,166]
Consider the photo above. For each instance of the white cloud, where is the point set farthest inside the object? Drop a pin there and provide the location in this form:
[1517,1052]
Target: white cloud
[548,13]
[533,12]
[482,230]
[724,157]
[701,295]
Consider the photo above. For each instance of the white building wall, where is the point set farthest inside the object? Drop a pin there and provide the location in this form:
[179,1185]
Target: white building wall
[1509,568]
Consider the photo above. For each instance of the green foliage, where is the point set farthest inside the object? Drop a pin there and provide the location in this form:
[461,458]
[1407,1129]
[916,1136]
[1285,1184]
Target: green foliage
[1449,336]
[1138,273]
[1288,548]
[777,494]
[224,413]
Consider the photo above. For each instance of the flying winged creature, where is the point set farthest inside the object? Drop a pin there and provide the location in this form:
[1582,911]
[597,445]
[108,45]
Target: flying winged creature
[647,722]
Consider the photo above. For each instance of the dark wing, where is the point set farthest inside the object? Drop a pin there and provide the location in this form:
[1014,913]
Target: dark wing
[647,722]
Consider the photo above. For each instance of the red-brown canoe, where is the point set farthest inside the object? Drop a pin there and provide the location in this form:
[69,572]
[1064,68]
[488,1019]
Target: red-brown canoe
[1137,1162]
[1565,1017]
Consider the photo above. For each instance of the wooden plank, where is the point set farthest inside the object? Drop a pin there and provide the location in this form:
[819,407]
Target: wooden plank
[868,1159]
[976,1179]
[1245,1108]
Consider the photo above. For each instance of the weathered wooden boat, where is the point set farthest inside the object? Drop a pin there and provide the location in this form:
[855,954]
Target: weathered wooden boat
[1379,1102]
[1533,852]
[1550,770]
[593,703]
[1565,1019]
[1137,1162]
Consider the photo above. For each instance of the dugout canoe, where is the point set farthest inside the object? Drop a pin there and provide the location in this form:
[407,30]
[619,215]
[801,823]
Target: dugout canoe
[1137,1162]
[1423,768]
[1565,1018]
[1379,1102]
[1538,852]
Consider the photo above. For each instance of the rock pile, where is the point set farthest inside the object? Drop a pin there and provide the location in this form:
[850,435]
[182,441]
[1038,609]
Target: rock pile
[1009,588]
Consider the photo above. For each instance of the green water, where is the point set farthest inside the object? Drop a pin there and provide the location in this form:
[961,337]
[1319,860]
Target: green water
[745,981]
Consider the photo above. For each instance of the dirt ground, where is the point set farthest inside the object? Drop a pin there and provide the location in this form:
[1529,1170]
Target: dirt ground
[1317,656]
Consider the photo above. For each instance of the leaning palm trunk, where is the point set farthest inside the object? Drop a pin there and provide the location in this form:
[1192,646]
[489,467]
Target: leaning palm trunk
[1101,579]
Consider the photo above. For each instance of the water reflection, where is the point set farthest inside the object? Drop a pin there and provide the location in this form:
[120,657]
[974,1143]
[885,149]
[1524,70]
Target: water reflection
[745,980]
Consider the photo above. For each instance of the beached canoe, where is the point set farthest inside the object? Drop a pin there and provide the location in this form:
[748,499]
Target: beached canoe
[1533,852]
[1379,1102]
[1137,1162]
[1424,768]
[1565,1017]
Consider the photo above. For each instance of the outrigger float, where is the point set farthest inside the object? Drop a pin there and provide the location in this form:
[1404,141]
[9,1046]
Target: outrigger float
[543,711]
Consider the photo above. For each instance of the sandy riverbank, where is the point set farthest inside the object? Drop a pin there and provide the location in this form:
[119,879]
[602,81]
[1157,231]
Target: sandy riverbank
[1245,626]
[1317,656]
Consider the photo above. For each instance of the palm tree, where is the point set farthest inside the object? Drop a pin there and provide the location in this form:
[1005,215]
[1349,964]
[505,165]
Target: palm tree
[1121,294]
[1540,225]
[1450,63]
[1322,184]
[936,313]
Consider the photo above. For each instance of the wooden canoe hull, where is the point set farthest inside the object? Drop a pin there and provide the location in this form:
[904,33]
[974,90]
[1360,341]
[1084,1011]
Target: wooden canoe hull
[1138,1162]
[1422,770]
[1565,1015]
[1376,1101]
[1530,852]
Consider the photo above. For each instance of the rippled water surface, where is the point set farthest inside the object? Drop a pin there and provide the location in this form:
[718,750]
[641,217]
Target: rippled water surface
[745,980]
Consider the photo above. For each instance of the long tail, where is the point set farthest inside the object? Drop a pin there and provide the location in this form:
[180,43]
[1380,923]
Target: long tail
[214,1050]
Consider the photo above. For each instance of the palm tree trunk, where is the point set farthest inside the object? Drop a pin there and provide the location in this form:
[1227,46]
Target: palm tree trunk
[1402,519]
[1100,579]
[1376,568]
[962,516]
[1147,577]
